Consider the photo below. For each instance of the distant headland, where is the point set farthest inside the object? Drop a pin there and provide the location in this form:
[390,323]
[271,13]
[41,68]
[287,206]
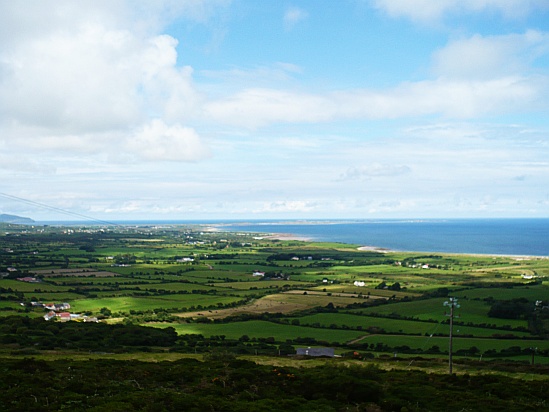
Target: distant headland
[5,218]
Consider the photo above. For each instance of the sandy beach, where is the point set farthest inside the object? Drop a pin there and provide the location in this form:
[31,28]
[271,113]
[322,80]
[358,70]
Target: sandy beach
[374,249]
[287,236]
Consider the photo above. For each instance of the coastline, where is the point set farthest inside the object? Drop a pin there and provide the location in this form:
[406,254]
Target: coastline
[370,248]
[494,255]
[474,237]
[375,249]
[288,236]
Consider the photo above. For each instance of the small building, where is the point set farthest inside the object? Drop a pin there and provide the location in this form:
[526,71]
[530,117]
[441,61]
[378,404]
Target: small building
[64,316]
[58,306]
[50,315]
[330,352]
[258,273]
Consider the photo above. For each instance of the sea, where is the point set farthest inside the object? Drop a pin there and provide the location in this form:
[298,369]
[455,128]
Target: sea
[522,237]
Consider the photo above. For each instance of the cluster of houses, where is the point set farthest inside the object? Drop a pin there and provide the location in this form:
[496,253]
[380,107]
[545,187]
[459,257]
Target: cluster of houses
[67,316]
[29,279]
[59,311]
[52,306]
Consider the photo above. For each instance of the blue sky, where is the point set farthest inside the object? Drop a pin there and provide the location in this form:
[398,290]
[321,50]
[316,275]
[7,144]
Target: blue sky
[241,109]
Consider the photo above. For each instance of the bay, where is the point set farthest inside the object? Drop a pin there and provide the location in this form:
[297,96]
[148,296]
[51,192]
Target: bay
[471,236]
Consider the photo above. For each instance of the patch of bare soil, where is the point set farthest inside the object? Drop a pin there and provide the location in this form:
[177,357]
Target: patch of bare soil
[273,304]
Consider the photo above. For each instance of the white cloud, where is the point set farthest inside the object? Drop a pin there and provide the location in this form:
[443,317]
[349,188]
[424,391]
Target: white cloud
[157,141]
[83,77]
[481,57]
[374,170]
[238,78]
[433,10]
[284,206]
[20,164]
[94,79]
[455,98]
[292,16]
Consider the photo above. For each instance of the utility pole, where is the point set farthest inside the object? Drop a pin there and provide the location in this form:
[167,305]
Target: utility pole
[534,350]
[452,303]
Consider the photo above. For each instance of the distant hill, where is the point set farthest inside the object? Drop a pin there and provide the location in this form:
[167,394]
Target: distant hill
[4,218]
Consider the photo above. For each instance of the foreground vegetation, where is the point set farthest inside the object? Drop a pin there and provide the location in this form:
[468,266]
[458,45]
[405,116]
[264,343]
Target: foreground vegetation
[224,383]
[162,292]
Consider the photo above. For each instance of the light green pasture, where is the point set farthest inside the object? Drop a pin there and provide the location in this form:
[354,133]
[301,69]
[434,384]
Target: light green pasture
[263,329]
[425,342]
[19,286]
[399,325]
[264,284]
[172,286]
[57,297]
[85,280]
[127,303]
[10,304]
[538,292]
[475,312]
[350,288]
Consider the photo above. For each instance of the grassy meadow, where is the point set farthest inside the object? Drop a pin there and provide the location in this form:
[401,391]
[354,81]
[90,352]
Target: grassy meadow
[202,283]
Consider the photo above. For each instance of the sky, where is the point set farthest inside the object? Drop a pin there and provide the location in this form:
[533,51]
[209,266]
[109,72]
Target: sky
[267,109]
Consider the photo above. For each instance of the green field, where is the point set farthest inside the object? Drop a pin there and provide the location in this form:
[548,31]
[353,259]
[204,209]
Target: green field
[400,304]
[470,311]
[127,303]
[262,329]
[483,344]
[537,292]
[398,326]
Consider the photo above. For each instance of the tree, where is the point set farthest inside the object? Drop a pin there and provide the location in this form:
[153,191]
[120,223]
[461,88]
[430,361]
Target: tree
[394,286]
[105,312]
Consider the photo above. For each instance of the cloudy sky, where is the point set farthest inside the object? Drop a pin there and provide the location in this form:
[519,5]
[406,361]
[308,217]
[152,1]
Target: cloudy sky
[227,109]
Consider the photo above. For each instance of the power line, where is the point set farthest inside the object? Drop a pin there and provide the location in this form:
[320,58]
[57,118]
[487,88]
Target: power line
[56,209]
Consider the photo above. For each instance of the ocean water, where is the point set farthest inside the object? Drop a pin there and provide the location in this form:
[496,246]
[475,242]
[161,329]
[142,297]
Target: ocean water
[474,236]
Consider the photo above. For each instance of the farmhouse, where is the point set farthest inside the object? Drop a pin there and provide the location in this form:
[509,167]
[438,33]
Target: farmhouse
[64,316]
[57,306]
[50,315]
[28,279]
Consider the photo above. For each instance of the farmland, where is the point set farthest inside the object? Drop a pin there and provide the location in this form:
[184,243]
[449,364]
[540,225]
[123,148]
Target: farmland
[255,294]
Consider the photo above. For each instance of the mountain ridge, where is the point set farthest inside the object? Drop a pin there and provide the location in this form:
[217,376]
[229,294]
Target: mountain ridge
[6,218]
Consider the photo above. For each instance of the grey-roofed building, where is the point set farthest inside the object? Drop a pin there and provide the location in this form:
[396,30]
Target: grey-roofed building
[316,352]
